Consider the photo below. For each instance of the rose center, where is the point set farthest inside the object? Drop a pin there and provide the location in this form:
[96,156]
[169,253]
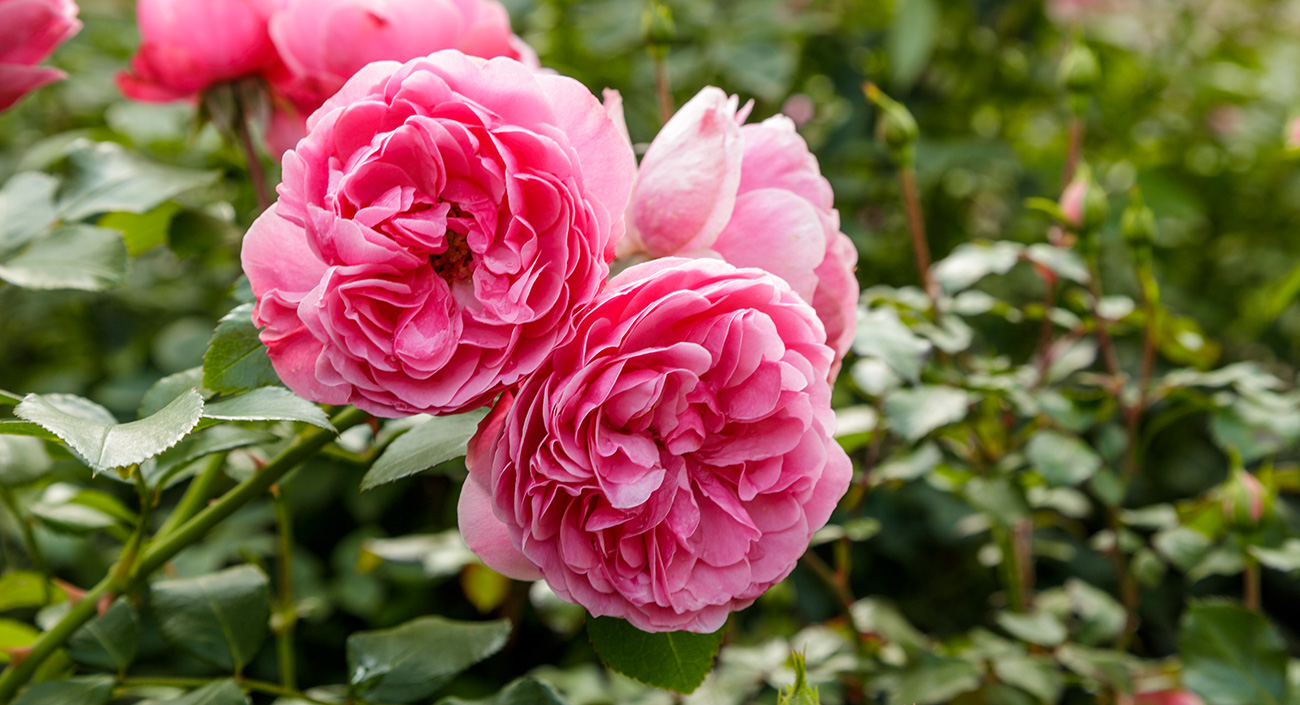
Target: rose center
[454,263]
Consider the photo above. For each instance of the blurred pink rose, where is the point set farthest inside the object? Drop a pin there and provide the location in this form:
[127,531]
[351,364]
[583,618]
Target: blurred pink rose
[1168,697]
[1292,137]
[189,45]
[670,461]
[751,195]
[29,31]
[324,42]
[435,230]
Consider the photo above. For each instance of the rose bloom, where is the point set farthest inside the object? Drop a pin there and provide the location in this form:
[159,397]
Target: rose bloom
[29,31]
[1168,697]
[189,45]
[752,195]
[324,42]
[435,230]
[670,461]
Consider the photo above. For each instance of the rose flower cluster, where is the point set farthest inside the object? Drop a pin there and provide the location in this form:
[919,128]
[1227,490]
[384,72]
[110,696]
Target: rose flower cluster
[660,444]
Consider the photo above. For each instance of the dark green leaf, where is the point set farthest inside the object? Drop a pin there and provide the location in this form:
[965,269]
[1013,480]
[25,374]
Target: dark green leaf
[268,404]
[165,390]
[22,460]
[1034,627]
[524,691]
[225,692]
[72,257]
[109,641]
[1061,459]
[26,208]
[1035,675]
[170,466]
[1106,666]
[93,690]
[107,179]
[220,617]
[1232,656]
[676,661]
[913,413]
[72,509]
[424,446]
[103,443]
[412,661]
[236,360]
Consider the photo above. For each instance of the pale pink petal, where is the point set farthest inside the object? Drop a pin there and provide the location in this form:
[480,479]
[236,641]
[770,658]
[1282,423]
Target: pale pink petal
[780,232]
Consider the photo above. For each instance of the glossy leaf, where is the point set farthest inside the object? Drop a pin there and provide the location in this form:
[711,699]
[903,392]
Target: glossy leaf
[676,661]
[106,178]
[26,208]
[109,641]
[236,360]
[882,335]
[92,690]
[268,404]
[15,634]
[220,617]
[1062,460]
[91,431]
[72,257]
[524,691]
[424,446]
[165,390]
[23,460]
[412,661]
[913,413]
[935,679]
[225,692]
[1232,656]
[24,588]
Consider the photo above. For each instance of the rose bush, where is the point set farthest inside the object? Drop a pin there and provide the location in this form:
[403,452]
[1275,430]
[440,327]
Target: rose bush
[29,31]
[434,232]
[187,46]
[752,195]
[323,42]
[671,460]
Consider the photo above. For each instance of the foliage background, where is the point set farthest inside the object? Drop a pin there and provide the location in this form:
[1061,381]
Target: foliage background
[1191,105]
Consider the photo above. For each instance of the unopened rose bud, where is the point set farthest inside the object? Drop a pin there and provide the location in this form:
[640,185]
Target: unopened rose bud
[657,24]
[1079,70]
[1138,223]
[799,693]
[1084,203]
[1246,502]
[895,126]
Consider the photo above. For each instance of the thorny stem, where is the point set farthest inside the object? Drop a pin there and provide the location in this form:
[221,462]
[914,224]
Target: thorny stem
[29,539]
[127,575]
[288,611]
[916,225]
[196,495]
[1045,329]
[663,88]
[1250,584]
[833,581]
[243,130]
[1073,151]
[1012,570]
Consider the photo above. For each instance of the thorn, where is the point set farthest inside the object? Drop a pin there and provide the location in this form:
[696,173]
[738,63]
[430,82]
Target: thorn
[105,601]
[374,425]
[17,654]
[73,592]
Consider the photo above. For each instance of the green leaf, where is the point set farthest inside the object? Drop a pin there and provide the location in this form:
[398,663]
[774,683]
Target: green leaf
[437,440]
[268,404]
[165,390]
[799,693]
[22,589]
[935,679]
[1039,628]
[14,634]
[9,398]
[171,466]
[911,39]
[913,413]
[1035,675]
[71,509]
[972,261]
[1062,460]
[1065,263]
[110,641]
[676,661]
[221,617]
[412,661]
[225,692]
[22,460]
[1232,656]
[26,208]
[142,231]
[882,335]
[26,428]
[524,691]
[1099,618]
[106,179]
[908,464]
[92,690]
[236,360]
[1285,558]
[1107,666]
[72,257]
[91,431]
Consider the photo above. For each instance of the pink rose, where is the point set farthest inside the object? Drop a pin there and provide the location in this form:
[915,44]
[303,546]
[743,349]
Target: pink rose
[751,195]
[670,461]
[435,230]
[324,42]
[189,45]
[29,31]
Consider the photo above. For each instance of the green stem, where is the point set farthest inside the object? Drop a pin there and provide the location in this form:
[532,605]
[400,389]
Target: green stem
[828,576]
[1250,586]
[29,538]
[1011,570]
[191,683]
[288,611]
[168,546]
[196,495]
